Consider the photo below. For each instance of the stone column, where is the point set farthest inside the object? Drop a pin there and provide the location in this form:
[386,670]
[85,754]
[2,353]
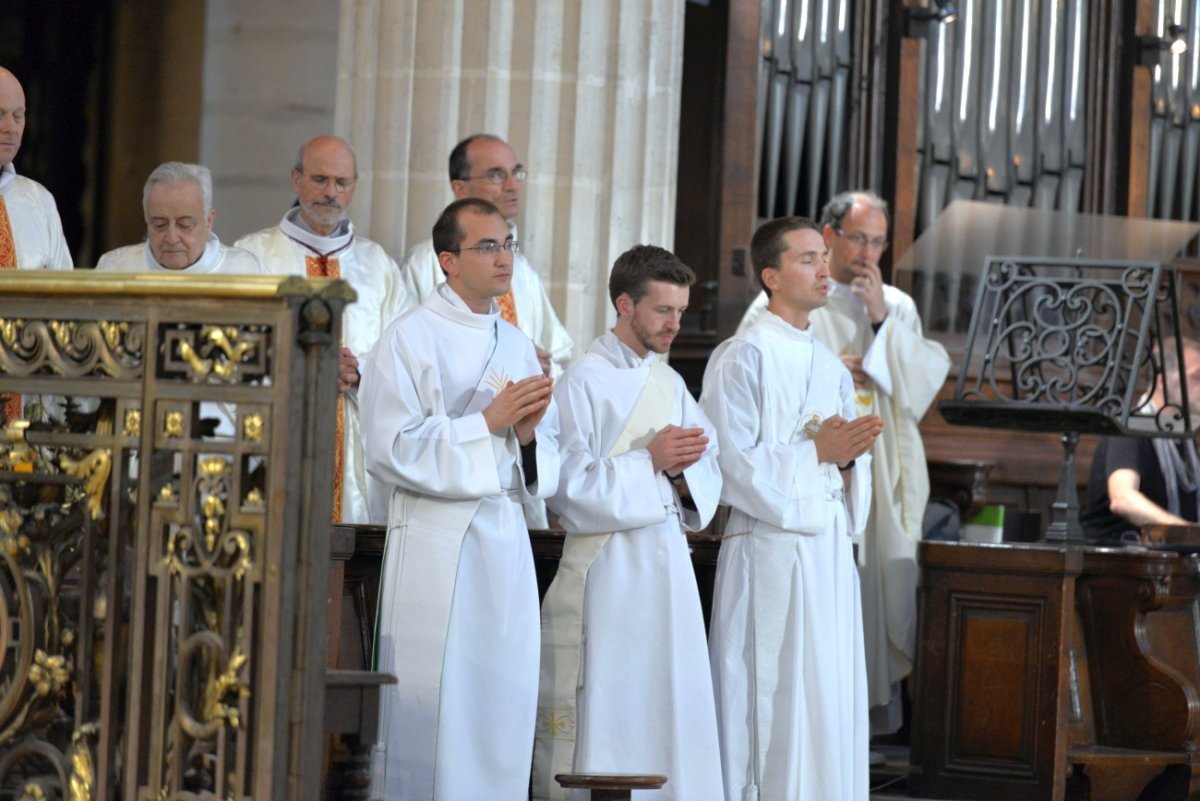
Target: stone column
[586,91]
[269,75]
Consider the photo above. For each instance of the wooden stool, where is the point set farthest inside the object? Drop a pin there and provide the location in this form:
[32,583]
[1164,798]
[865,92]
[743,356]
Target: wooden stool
[610,786]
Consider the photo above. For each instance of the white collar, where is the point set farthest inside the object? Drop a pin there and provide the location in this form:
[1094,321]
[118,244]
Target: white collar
[453,306]
[8,177]
[773,322]
[609,347]
[294,227]
[208,261]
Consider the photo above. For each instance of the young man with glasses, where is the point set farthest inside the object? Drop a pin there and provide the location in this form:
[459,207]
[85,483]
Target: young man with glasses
[897,373]
[485,167]
[459,422]
[316,239]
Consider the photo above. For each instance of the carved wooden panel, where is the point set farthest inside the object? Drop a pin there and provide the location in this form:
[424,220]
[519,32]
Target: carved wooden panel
[990,707]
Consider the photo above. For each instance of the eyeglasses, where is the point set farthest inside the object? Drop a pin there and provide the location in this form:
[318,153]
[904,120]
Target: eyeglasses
[499,176]
[860,241]
[494,248]
[340,185]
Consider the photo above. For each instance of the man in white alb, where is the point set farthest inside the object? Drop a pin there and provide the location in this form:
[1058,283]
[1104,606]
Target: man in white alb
[459,421]
[639,467]
[316,239]
[484,166]
[177,202]
[897,373]
[786,632]
[31,235]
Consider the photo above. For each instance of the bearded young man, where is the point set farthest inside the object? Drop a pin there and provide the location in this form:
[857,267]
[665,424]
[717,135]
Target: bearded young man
[639,469]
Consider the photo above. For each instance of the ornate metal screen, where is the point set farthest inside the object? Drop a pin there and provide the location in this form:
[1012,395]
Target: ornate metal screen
[164,535]
[1072,345]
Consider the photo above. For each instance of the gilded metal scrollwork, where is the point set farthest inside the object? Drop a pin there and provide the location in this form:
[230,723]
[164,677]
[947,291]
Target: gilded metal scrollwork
[72,348]
[218,352]
[82,782]
[218,551]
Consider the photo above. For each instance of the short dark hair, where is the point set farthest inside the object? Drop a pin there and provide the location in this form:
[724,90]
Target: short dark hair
[767,245]
[460,168]
[447,233]
[637,267]
[840,204]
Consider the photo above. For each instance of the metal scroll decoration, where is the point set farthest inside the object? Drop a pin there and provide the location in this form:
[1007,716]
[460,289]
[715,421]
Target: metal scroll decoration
[147,649]
[1073,346]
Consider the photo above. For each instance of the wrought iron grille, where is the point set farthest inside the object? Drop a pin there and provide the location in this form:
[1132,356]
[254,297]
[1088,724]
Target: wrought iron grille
[1072,345]
[164,535]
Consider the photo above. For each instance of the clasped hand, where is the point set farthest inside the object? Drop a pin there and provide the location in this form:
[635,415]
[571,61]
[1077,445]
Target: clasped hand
[521,404]
[674,449]
[840,441]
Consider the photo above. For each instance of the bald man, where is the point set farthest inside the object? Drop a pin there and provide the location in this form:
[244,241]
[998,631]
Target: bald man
[316,239]
[485,167]
[31,235]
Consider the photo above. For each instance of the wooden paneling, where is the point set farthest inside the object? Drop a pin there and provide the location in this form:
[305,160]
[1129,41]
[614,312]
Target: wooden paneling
[989,701]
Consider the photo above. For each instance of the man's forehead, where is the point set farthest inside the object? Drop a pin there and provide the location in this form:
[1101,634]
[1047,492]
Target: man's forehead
[477,225]
[867,218]
[185,191]
[665,292]
[804,240]
[336,162]
[484,154]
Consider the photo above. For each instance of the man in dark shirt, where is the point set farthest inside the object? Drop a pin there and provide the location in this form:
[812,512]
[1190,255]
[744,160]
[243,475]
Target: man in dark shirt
[1140,481]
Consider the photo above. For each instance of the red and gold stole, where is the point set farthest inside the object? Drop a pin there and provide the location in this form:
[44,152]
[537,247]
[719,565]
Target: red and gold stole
[508,307]
[11,404]
[323,265]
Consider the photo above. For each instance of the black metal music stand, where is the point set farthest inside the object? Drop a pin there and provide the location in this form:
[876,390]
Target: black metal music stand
[1074,346]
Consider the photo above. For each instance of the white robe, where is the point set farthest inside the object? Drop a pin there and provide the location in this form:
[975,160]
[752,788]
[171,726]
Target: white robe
[907,371]
[646,700]
[381,298]
[786,633]
[36,228]
[535,314]
[458,627]
[217,258]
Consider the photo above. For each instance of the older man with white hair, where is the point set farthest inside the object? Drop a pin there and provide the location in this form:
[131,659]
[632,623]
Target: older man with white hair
[177,202]
[31,235]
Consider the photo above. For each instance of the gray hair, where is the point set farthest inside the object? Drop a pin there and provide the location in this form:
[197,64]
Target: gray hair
[173,172]
[839,206]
